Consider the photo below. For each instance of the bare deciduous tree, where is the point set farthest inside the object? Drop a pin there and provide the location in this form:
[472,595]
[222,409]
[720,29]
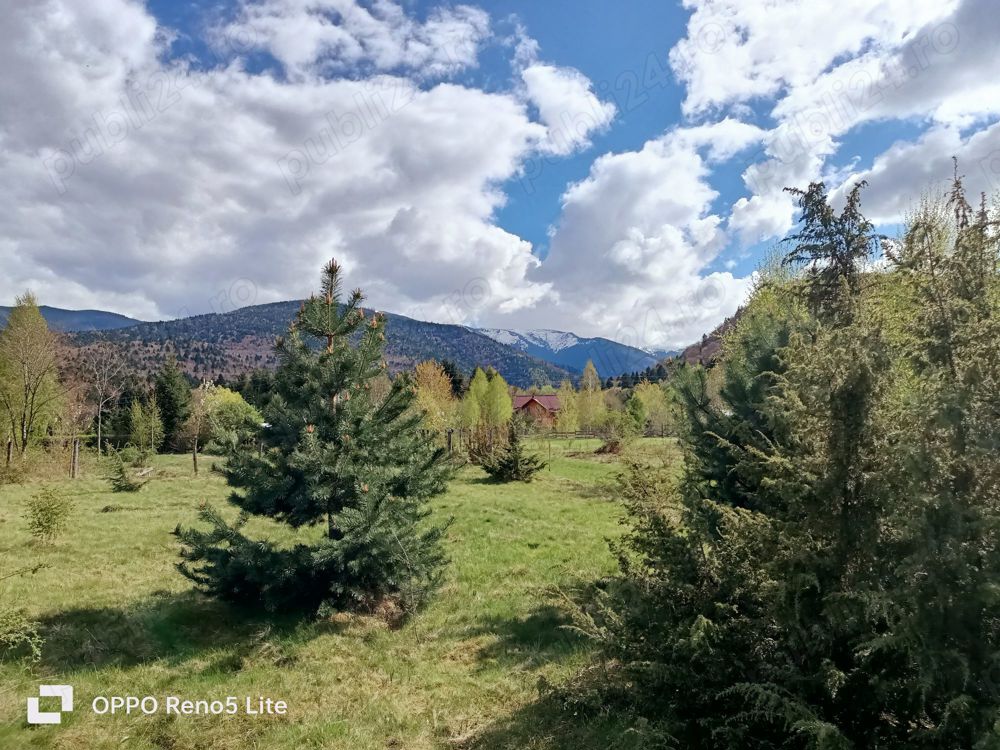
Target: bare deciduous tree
[103,366]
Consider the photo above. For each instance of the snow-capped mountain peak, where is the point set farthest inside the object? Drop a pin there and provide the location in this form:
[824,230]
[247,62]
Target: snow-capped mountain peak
[572,352]
[554,340]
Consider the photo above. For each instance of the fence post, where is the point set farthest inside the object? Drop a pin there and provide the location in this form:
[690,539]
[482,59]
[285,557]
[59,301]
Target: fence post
[10,450]
[450,432]
[74,471]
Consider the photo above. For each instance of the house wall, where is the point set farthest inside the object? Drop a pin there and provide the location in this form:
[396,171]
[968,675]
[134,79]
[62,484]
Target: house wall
[538,413]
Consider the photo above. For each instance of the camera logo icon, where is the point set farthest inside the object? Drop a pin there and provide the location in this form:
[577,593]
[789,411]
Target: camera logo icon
[37,716]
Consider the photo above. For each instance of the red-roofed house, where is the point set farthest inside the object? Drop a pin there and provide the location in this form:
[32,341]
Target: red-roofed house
[542,409]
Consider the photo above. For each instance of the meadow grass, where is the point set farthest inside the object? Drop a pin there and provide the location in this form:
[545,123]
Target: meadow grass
[118,619]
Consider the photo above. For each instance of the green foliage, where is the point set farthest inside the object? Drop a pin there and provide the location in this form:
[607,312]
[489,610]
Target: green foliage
[498,408]
[334,456]
[100,632]
[229,413]
[29,387]
[831,248]
[173,398]
[590,405]
[19,633]
[823,575]
[122,473]
[590,380]
[568,418]
[488,400]
[617,429]
[486,411]
[510,462]
[636,411]
[659,404]
[256,387]
[455,376]
[733,418]
[48,514]
[219,417]
[435,397]
[145,428]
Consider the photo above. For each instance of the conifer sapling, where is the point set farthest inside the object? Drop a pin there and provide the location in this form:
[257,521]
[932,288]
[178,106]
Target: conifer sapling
[338,457]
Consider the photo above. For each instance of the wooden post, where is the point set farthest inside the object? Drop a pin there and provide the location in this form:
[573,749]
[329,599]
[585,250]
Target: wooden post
[194,456]
[10,450]
[450,431]
[74,471]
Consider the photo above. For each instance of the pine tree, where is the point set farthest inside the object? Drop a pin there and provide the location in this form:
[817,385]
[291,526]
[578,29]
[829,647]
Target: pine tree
[636,411]
[333,456]
[510,462]
[173,396]
[122,477]
[941,602]
[455,375]
[833,248]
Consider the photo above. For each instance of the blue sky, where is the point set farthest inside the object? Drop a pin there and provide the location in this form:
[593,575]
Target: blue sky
[612,169]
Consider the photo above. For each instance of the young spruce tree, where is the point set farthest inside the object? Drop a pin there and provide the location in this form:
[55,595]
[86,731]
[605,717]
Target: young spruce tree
[336,457]
[173,396]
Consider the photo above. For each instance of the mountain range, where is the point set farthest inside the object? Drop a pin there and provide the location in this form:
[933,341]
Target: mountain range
[65,321]
[572,352]
[231,343]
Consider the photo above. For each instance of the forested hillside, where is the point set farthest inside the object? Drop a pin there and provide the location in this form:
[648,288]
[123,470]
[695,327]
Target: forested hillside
[232,343]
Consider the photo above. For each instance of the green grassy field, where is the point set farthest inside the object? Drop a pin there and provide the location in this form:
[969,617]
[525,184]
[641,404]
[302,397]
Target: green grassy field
[119,620]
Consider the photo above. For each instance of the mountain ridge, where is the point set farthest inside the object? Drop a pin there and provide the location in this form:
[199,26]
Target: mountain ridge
[565,349]
[230,343]
[67,321]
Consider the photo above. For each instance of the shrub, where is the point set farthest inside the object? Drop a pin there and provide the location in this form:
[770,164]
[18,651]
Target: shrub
[618,429]
[510,462]
[123,477]
[19,633]
[48,514]
[15,473]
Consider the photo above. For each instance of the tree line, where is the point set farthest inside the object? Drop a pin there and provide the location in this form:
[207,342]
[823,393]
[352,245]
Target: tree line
[824,572]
